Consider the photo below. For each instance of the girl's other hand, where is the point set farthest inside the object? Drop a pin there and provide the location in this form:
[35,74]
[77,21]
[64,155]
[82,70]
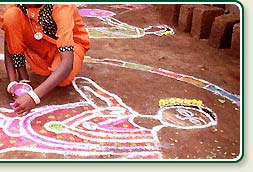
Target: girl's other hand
[23,104]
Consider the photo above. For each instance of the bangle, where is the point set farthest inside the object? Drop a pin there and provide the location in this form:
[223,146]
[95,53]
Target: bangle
[10,85]
[24,81]
[34,96]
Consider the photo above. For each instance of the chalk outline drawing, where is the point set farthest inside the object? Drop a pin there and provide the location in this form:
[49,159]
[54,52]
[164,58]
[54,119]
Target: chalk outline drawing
[120,29]
[119,134]
[11,129]
[234,98]
[144,143]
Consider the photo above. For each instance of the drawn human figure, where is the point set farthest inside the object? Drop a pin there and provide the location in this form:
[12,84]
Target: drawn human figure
[100,125]
[81,128]
[118,29]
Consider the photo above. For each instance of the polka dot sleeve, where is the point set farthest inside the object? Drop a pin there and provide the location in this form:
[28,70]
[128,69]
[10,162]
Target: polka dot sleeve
[18,60]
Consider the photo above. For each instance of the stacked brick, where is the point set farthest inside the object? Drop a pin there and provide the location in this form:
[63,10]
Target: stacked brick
[222,30]
[185,18]
[218,23]
[202,20]
[169,13]
[235,43]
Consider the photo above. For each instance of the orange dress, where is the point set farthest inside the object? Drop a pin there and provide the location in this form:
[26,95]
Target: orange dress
[62,28]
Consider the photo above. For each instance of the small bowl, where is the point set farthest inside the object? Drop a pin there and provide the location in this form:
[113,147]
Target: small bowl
[21,88]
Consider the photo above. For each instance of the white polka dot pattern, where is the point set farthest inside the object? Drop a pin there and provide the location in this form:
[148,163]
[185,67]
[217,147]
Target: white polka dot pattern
[66,48]
[45,19]
[47,22]
[18,60]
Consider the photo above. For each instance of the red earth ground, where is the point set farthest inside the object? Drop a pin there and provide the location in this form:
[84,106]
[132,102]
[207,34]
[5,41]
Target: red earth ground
[142,90]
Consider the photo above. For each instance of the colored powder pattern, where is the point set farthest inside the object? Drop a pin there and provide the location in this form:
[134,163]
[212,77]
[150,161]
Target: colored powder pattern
[137,66]
[180,77]
[80,129]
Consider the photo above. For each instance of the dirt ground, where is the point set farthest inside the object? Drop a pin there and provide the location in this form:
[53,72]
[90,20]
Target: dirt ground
[141,90]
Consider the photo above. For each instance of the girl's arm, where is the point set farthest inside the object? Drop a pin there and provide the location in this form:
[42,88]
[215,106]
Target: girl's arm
[25,103]
[61,72]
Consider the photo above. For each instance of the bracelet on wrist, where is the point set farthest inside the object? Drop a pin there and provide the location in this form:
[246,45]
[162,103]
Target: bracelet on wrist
[24,81]
[10,85]
[34,96]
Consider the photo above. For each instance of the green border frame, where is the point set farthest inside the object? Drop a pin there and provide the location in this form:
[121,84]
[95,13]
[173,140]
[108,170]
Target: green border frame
[159,161]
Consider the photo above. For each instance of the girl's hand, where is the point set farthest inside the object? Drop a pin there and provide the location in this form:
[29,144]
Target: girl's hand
[23,104]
